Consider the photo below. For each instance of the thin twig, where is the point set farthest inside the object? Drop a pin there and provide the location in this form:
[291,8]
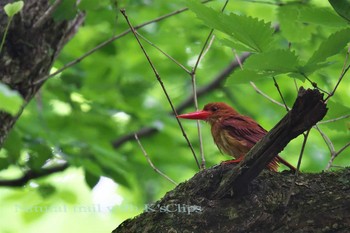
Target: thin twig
[150,162]
[47,14]
[207,44]
[326,139]
[342,74]
[161,83]
[265,95]
[314,84]
[255,87]
[280,93]
[297,170]
[79,59]
[334,119]
[238,59]
[336,154]
[200,138]
[165,54]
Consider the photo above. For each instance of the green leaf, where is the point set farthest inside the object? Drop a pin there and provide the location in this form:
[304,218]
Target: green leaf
[91,179]
[4,163]
[320,15]
[276,61]
[265,65]
[39,155]
[250,32]
[236,45]
[13,145]
[10,100]
[13,8]
[246,76]
[331,46]
[46,190]
[290,26]
[342,7]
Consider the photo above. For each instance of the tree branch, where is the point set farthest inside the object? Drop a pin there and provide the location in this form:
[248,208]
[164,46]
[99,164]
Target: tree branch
[31,174]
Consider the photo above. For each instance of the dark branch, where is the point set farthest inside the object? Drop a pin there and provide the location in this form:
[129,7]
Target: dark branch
[31,174]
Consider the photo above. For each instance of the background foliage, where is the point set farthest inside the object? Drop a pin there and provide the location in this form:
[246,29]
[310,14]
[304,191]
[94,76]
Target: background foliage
[80,112]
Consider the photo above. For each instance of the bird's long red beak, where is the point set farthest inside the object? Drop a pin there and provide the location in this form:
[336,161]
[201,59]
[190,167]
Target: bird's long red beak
[200,115]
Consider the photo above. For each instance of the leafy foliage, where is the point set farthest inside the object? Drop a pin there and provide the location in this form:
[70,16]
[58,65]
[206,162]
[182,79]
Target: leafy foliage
[80,114]
[244,31]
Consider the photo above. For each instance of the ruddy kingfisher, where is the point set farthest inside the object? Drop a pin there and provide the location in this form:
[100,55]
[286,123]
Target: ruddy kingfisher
[233,133]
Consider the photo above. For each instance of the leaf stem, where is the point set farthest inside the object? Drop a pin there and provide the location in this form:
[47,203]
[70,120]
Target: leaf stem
[5,33]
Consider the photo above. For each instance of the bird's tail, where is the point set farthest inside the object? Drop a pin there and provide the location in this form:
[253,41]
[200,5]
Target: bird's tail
[284,162]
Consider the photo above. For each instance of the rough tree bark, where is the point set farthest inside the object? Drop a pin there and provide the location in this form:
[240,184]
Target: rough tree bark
[230,199]
[319,203]
[33,42]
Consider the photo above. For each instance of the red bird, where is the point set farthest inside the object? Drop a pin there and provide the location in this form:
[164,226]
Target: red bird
[233,133]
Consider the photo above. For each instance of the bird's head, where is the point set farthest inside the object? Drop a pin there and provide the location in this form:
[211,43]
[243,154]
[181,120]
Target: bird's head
[211,112]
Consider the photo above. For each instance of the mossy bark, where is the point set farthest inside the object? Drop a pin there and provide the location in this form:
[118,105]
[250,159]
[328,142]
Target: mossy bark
[318,203]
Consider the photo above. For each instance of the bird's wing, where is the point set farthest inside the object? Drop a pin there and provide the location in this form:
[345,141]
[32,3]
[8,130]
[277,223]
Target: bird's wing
[244,129]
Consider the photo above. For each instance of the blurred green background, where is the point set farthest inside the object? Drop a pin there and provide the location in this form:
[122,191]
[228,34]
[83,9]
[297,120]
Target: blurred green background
[78,114]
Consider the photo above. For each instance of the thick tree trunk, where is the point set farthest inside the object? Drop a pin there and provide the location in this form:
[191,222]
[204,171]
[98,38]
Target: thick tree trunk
[318,203]
[33,42]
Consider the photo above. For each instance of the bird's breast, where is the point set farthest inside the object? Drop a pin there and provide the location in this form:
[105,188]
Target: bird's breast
[229,144]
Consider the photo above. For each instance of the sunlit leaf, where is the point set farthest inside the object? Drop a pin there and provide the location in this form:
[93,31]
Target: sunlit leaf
[10,101]
[13,8]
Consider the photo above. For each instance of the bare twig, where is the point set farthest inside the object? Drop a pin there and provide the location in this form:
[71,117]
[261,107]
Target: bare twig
[329,165]
[150,162]
[314,84]
[334,119]
[207,44]
[164,53]
[326,139]
[47,14]
[290,193]
[280,93]
[255,87]
[161,84]
[342,74]
[265,95]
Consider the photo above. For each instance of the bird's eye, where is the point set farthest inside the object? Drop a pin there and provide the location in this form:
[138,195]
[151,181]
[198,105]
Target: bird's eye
[214,108]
